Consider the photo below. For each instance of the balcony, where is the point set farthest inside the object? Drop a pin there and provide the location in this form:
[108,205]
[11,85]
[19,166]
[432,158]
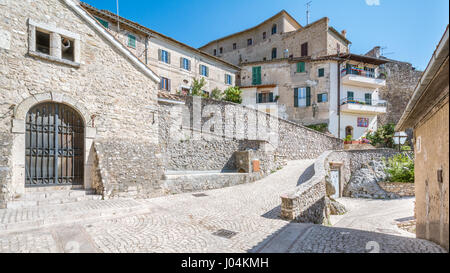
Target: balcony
[362,78]
[361,106]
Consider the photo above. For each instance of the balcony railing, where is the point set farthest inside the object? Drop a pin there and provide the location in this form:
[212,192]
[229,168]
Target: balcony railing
[357,71]
[369,102]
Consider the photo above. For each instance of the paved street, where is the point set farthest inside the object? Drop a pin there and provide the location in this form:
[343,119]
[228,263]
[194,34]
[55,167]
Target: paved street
[188,223]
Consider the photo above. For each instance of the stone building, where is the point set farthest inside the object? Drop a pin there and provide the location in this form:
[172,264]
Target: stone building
[65,84]
[176,63]
[401,80]
[305,74]
[280,36]
[428,114]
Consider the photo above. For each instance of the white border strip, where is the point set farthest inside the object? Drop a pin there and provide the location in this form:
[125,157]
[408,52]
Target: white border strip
[111,39]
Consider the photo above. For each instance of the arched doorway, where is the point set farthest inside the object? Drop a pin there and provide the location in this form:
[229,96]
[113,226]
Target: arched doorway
[349,131]
[54,146]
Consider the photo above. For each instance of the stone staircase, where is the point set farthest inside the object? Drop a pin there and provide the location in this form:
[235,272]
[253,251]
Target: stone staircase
[43,196]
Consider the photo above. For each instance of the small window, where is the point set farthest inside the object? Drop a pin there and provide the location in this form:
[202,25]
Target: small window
[249,42]
[350,96]
[264,35]
[103,22]
[234,46]
[42,42]
[204,70]
[302,97]
[301,67]
[228,79]
[321,72]
[368,98]
[265,97]
[185,64]
[164,56]
[304,49]
[322,97]
[274,53]
[165,84]
[215,52]
[221,50]
[131,41]
[274,29]
[67,49]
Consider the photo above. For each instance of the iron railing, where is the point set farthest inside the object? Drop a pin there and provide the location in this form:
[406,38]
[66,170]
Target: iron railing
[364,101]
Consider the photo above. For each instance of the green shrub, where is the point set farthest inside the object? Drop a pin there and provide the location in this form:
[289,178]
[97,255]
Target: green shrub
[383,137]
[233,94]
[216,94]
[197,87]
[348,138]
[400,168]
[321,127]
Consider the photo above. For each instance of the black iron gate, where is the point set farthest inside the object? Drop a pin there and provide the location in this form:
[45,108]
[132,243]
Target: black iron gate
[54,146]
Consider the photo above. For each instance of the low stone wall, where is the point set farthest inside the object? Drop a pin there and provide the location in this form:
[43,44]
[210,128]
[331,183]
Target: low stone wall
[399,188]
[307,202]
[5,170]
[127,168]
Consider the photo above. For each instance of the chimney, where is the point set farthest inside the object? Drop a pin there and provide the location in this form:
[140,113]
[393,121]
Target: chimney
[344,33]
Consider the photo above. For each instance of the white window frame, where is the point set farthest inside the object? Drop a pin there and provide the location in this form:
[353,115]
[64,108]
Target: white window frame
[55,43]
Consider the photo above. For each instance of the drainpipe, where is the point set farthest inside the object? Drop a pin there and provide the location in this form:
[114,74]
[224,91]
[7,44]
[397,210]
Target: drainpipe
[339,97]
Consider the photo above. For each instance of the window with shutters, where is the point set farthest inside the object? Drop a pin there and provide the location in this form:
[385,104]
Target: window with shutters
[185,64]
[204,70]
[322,97]
[301,67]
[350,95]
[165,84]
[304,49]
[265,97]
[321,72]
[164,56]
[131,41]
[228,79]
[103,22]
[302,97]
[368,98]
[274,53]
[256,75]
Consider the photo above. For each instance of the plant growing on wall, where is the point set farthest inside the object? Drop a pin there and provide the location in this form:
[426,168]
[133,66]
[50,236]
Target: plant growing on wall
[197,87]
[321,127]
[233,94]
[400,168]
[383,137]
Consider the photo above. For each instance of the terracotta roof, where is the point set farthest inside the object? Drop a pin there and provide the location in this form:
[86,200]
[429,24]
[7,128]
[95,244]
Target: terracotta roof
[169,96]
[147,31]
[283,12]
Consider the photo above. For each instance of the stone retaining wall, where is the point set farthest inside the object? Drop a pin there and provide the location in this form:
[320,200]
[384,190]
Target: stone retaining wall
[307,202]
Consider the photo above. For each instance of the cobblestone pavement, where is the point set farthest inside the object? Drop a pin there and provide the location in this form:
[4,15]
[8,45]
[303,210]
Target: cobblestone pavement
[186,223]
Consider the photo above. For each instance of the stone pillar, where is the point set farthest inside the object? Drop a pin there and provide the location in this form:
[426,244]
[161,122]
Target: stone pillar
[55,45]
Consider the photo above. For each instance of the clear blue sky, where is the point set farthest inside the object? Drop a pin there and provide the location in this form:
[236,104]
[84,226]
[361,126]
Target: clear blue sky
[410,29]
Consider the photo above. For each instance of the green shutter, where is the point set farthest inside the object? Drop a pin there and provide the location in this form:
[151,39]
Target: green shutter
[321,72]
[131,40]
[350,95]
[308,96]
[256,75]
[369,98]
[295,97]
[260,95]
[103,22]
[270,97]
[301,67]
[319,97]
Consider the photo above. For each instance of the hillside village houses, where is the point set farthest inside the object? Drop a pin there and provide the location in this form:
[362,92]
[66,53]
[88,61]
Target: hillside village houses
[307,72]
[177,64]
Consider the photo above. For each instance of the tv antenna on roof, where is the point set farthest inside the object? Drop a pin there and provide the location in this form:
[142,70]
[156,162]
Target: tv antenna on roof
[118,18]
[383,53]
[308,6]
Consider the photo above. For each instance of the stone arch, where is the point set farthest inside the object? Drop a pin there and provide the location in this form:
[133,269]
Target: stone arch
[18,129]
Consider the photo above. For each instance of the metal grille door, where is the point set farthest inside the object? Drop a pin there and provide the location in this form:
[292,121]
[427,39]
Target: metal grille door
[54,146]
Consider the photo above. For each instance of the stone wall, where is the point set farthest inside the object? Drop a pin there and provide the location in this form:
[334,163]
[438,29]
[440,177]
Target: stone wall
[307,203]
[187,145]
[111,90]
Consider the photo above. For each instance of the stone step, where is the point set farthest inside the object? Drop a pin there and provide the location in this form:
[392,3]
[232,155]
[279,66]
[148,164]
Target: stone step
[51,197]
[28,218]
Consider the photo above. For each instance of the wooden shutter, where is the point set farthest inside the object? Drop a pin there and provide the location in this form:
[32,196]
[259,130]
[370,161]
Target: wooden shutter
[181,62]
[159,55]
[260,95]
[369,98]
[168,57]
[168,84]
[189,65]
[304,49]
[270,97]
[308,96]
[295,97]
[319,97]
[350,95]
